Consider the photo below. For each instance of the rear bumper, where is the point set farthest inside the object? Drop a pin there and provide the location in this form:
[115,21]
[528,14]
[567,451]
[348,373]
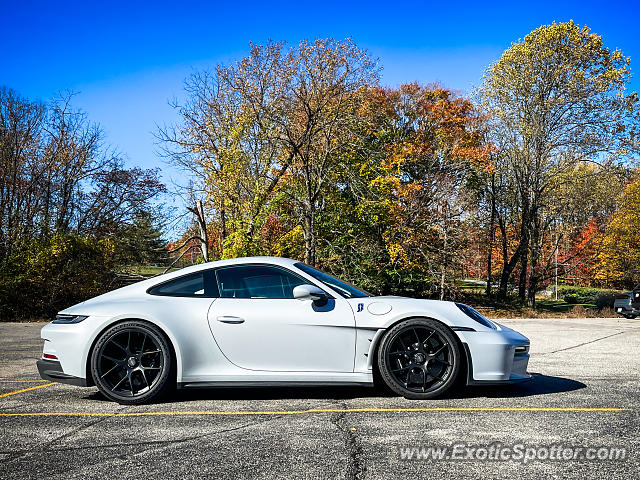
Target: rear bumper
[52,370]
[625,309]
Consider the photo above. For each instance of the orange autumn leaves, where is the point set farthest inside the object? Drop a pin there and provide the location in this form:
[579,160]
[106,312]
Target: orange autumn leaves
[427,142]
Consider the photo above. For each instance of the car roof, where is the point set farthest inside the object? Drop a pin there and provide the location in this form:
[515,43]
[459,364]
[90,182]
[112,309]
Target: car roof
[142,286]
[284,262]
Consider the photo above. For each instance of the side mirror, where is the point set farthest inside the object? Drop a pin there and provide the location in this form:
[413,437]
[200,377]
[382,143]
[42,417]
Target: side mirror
[311,292]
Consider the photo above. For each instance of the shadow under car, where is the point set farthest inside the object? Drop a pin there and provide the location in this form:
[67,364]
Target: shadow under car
[538,385]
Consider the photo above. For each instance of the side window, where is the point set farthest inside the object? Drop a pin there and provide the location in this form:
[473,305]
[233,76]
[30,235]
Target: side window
[256,281]
[199,284]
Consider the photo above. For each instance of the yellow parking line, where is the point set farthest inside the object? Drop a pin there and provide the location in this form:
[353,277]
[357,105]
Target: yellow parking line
[317,410]
[27,389]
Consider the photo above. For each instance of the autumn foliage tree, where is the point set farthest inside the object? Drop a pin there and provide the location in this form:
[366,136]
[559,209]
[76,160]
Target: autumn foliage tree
[619,258]
[69,208]
[299,152]
[279,112]
[396,214]
[557,102]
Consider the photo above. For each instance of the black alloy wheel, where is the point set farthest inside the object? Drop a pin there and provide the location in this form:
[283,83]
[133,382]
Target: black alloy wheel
[131,363]
[419,358]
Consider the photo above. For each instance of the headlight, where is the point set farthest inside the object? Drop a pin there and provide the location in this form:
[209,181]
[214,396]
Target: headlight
[476,315]
[69,318]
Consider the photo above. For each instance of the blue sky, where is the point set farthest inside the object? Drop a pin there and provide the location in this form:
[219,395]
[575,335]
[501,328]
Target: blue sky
[127,59]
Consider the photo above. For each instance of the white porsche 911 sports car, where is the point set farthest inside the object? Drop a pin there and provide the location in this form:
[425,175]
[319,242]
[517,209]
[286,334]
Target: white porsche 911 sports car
[272,321]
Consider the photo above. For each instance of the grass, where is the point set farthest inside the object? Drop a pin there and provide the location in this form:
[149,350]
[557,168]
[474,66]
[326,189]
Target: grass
[470,285]
[146,271]
[576,311]
[561,306]
[473,293]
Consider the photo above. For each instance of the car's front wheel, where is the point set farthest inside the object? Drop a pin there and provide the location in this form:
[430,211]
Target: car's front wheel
[419,358]
[131,363]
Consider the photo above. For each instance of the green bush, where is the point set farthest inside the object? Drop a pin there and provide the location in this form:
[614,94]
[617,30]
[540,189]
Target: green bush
[572,298]
[580,295]
[605,299]
[51,273]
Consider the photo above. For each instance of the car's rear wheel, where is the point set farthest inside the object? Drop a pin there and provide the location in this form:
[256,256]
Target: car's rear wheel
[419,358]
[132,364]
[630,316]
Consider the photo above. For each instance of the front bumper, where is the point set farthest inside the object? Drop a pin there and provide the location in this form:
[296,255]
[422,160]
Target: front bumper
[52,370]
[518,373]
[495,357]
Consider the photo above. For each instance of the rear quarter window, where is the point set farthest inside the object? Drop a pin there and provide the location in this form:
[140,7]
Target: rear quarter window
[199,284]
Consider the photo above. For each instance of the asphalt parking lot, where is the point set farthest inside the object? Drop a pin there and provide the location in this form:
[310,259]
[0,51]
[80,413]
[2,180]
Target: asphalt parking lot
[584,393]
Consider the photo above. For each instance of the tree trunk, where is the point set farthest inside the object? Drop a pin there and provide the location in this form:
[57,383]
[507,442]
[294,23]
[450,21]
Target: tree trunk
[443,267]
[492,223]
[506,272]
[535,257]
[198,212]
[204,237]
[519,255]
[522,283]
[533,286]
[508,265]
[223,228]
[309,239]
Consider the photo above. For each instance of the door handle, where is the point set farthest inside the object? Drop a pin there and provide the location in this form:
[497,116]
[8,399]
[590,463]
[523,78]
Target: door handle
[230,319]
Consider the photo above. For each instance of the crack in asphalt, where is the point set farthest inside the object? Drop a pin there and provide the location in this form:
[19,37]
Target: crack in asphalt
[153,445]
[161,444]
[356,466]
[586,343]
[42,447]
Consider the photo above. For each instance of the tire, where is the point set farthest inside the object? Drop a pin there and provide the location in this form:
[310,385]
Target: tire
[419,358]
[132,363]
[629,316]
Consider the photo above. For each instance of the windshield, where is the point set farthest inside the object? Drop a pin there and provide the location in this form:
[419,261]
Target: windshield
[346,290]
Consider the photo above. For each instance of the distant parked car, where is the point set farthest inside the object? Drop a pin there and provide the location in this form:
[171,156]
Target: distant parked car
[623,305]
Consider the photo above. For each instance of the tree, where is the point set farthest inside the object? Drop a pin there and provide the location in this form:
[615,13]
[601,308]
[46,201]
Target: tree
[66,202]
[20,129]
[140,242]
[56,174]
[278,114]
[618,262]
[557,101]
[328,75]
[401,199]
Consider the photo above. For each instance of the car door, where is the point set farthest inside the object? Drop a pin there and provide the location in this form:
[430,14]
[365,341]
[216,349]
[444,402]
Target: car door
[258,325]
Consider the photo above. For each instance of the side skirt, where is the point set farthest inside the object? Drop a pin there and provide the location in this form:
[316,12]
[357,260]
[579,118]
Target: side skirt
[270,383]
